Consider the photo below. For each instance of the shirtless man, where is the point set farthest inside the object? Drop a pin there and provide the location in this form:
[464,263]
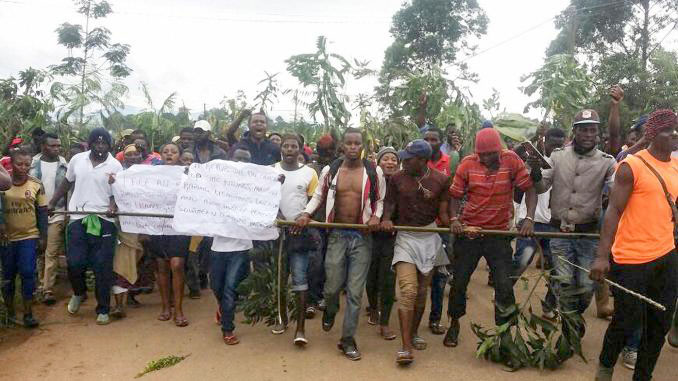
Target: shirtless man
[353,191]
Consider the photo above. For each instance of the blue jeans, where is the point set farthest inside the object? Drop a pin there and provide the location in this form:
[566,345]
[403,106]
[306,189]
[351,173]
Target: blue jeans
[347,261]
[316,267]
[227,270]
[574,288]
[525,252]
[438,283]
[96,251]
[19,257]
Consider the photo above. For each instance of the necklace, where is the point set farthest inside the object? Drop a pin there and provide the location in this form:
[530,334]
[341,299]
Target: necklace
[427,193]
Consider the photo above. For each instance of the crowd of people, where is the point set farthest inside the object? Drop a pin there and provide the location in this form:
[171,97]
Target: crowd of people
[583,182]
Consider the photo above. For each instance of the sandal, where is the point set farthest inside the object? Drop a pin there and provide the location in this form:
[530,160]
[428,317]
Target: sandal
[165,316]
[386,333]
[436,328]
[181,322]
[419,343]
[404,357]
[231,340]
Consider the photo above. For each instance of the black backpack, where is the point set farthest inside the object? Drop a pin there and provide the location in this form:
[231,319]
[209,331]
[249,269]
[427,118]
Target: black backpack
[371,176]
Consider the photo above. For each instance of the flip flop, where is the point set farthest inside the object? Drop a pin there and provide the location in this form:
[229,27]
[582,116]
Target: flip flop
[386,334]
[165,316]
[231,340]
[181,322]
[404,357]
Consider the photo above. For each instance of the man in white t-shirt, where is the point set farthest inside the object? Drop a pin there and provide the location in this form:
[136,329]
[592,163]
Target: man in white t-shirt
[91,238]
[299,184]
[50,168]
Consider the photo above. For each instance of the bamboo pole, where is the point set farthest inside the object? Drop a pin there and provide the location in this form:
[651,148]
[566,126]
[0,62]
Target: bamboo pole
[325,225]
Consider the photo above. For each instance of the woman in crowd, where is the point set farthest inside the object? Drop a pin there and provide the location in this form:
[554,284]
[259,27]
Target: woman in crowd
[24,210]
[129,250]
[381,278]
[170,255]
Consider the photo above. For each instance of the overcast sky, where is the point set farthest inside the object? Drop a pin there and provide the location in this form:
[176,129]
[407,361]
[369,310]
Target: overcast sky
[207,49]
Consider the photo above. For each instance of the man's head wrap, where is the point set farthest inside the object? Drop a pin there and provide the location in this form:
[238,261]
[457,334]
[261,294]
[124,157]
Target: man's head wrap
[658,121]
[99,134]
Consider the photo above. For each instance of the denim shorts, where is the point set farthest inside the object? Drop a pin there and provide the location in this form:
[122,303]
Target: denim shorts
[297,261]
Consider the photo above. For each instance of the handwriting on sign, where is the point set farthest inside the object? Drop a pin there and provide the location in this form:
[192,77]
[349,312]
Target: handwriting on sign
[228,199]
[148,189]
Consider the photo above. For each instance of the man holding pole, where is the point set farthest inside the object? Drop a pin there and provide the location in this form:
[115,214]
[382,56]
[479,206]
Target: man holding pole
[578,175]
[353,191]
[419,195]
[639,231]
[91,238]
[487,179]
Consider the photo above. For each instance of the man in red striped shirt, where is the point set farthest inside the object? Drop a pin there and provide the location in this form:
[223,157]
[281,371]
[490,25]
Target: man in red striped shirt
[487,179]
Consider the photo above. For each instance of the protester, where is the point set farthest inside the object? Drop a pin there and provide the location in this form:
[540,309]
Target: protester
[6,160]
[639,231]
[578,175]
[487,178]
[50,168]
[380,284]
[128,251]
[186,142]
[353,191]
[186,158]
[299,184]
[132,138]
[262,150]
[170,253]
[229,265]
[526,248]
[420,196]
[205,150]
[91,238]
[275,138]
[439,162]
[23,231]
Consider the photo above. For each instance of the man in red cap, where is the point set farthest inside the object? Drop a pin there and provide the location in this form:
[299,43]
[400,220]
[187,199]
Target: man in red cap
[487,178]
[638,231]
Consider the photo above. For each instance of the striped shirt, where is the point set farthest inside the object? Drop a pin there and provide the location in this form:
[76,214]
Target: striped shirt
[489,194]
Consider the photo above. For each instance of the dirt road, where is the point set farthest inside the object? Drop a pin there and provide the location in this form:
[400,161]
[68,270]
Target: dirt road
[74,348]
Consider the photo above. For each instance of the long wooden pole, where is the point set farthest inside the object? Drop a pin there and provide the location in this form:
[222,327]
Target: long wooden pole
[325,225]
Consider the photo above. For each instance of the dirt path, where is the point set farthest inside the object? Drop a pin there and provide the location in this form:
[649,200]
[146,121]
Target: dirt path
[74,348]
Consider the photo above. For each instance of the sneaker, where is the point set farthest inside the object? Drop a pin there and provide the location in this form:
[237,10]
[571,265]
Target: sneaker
[30,321]
[629,358]
[74,304]
[103,319]
[604,373]
[310,312]
[279,328]
[452,336]
[322,305]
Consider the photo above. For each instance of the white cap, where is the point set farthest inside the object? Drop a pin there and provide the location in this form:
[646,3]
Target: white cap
[203,125]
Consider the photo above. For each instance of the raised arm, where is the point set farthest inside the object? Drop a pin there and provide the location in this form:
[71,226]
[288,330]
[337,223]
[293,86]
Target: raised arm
[230,133]
[421,111]
[614,123]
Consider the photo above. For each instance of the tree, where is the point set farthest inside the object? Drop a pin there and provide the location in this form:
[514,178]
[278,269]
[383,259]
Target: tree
[325,74]
[91,56]
[24,106]
[269,94]
[563,87]
[622,43]
[429,36]
[158,122]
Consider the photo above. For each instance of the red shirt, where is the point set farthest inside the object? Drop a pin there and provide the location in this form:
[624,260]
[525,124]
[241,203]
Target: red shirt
[442,165]
[489,194]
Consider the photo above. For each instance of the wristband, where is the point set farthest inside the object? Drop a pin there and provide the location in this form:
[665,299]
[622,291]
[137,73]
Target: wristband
[530,218]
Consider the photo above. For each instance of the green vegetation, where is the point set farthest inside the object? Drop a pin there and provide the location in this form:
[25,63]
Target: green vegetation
[162,363]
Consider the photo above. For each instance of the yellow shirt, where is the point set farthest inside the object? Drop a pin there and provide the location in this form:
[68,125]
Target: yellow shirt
[19,205]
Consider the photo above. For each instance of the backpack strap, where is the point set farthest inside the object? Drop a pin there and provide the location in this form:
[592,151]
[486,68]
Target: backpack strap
[672,204]
[371,170]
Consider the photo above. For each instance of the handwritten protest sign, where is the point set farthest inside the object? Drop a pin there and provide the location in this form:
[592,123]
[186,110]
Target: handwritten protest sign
[228,199]
[148,189]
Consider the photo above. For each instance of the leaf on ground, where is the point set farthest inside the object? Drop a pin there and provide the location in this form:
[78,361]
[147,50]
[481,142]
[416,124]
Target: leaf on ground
[162,363]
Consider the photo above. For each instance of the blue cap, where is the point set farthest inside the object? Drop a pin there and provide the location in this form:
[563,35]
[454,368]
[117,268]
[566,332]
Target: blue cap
[416,148]
[487,124]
